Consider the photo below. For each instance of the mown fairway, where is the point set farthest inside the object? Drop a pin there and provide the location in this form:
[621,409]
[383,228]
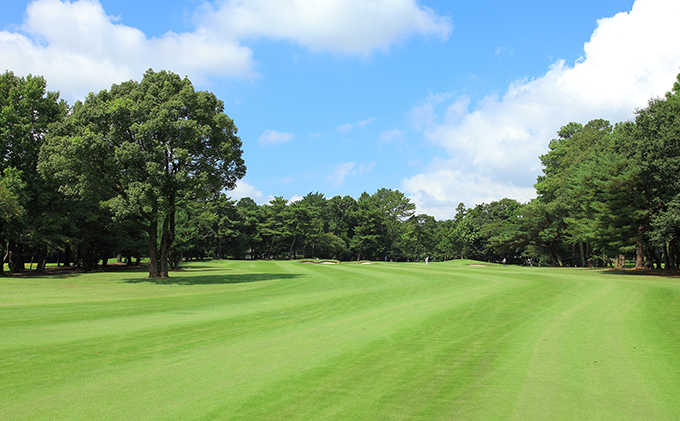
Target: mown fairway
[293,341]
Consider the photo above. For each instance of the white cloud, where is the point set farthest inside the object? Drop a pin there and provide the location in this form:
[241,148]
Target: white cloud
[271,137]
[364,123]
[348,127]
[341,171]
[245,189]
[365,168]
[295,198]
[78,48]
[493,149]
[439,191]
[345,128]
[423,115]
[346,26]
[504,52]
[391,135]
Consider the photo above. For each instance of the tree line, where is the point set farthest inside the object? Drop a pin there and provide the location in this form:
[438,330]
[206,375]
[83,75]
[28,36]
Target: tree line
[141,171]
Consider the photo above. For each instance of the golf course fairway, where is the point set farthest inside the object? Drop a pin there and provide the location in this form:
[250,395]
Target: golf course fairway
[281,340]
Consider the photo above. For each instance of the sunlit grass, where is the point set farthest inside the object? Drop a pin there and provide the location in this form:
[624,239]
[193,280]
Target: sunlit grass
[286,340]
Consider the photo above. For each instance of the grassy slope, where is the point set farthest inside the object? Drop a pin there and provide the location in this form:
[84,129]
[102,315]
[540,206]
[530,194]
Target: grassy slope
[284,340]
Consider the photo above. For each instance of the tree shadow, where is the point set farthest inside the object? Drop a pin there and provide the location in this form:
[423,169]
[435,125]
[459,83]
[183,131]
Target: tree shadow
[215,279]
[663,273]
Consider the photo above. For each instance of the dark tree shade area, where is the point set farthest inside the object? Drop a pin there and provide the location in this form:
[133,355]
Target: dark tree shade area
[141,171]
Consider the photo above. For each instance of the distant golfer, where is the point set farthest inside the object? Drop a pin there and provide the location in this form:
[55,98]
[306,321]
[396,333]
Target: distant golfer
[427,260]
[504,261]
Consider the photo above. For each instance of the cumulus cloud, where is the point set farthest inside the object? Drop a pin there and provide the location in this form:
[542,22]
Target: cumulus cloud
[79,48]
[493,148]
[295,198]
[346,26]
[245,189]
[271,137]
[439,191]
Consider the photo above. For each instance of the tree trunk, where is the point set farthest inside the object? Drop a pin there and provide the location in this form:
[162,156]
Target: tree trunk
[67,256]
[292,244]
[5,258]
[153,249]
[167,239]
[42,259]
[16,258]
[639,256]
[271,247]
[621,262]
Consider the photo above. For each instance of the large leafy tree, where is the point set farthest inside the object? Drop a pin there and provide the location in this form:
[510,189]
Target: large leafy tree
[144,148]
[26,111]
[657,151]
[549,216]
[11,209]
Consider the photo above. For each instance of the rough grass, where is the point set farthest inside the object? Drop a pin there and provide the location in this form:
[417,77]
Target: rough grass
[390,341]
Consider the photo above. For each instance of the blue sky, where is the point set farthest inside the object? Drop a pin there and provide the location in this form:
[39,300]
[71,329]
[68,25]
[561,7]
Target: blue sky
[446,101]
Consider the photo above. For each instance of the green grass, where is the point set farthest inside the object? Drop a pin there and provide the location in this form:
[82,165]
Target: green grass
[292,341]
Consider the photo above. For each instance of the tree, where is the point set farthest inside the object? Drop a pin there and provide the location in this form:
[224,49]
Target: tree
[396,209]
[422,235]
[309,219]
[145,147]
[656,150]
[26,111]
[370,231]
[249,217]
[549,215]
[273,227]
[11,210]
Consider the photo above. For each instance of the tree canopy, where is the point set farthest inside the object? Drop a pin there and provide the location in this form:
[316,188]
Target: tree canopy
[143,170]
[143,149]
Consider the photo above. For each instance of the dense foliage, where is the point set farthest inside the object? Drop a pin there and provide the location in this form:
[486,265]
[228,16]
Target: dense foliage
[142,170]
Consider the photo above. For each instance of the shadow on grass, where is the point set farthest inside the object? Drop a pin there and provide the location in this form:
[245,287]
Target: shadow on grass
[215,279]
[643,272]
